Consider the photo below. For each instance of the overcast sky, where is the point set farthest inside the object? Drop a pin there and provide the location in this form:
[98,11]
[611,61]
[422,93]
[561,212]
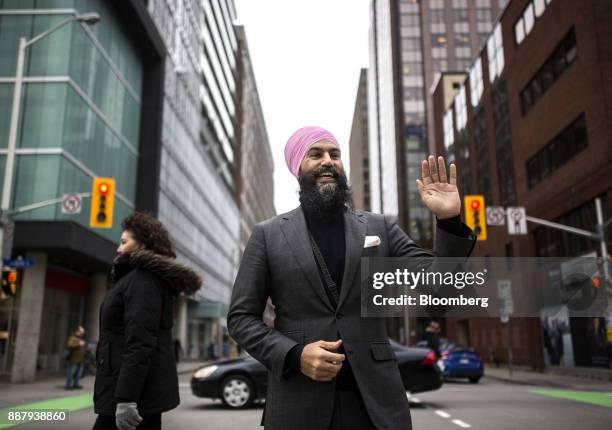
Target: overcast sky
[307,55]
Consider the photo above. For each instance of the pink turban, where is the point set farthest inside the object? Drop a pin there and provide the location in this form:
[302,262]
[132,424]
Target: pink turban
[299,143]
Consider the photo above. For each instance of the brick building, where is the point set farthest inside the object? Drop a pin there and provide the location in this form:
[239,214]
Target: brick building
[530,125]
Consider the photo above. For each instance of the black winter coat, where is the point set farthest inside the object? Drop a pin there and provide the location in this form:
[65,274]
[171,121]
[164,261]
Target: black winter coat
[135,356]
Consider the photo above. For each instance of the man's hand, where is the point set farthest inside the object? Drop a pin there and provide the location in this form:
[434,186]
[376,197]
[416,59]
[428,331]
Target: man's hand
[126,416]
[438,194]
[318,363]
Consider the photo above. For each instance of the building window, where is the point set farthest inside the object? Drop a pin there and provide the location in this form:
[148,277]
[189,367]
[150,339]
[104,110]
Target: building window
[519,31]
[408,56]
[482,154]
[484,27]
[555,243]
[476,84]
[462,39]
[409,7]
[463,52]
[436,4]
[495,51]
[409,20]
[503,144]
[483,15]
[449,131]
[440,65]
[439,53]
[437,27]
[411,43]
[556,64]
[460,4]
[483,3]
[562,148]
[461,108]
[526,22]
[461,15]
[463,64]
[461,27]
[436,16]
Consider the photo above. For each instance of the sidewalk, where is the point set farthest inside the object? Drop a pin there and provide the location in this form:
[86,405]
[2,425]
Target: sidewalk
[52,387]
[598,381]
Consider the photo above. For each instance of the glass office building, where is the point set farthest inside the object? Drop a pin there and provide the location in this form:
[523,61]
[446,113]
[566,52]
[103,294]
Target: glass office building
[196,197]
[81,116]
[80,107]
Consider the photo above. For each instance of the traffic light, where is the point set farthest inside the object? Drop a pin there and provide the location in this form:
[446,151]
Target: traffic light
[9,282]
[475,218]
[102,199]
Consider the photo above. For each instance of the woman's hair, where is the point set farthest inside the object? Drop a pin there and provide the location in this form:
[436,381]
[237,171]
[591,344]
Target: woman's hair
[149,232]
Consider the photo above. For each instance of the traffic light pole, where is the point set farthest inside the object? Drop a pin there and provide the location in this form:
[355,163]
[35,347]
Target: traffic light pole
[599,235]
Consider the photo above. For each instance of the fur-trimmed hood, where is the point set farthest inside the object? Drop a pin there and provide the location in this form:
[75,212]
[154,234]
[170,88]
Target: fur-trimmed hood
[179,277]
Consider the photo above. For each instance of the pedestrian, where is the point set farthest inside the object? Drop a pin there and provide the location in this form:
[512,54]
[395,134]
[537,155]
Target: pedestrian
[75,359]
[136,376]
[432,337]
[329,368]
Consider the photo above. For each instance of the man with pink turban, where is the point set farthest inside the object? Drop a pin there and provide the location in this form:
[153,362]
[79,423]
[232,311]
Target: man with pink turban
[329,368]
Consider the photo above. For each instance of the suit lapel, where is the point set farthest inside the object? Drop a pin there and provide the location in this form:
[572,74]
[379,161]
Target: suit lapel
[296,233]
[354,233]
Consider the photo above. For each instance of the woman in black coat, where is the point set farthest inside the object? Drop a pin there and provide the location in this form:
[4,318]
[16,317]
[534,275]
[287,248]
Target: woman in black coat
[136,377]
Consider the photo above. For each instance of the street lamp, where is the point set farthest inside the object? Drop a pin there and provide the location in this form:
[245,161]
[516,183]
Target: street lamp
[88,18]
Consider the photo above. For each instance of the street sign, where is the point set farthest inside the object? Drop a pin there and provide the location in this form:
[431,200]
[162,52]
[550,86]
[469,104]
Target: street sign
[71,204]
[504,292]
[19,263]
[496,215]
[517,221]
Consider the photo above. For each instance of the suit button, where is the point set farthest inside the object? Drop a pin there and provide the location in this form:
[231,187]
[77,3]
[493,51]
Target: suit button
[102,361]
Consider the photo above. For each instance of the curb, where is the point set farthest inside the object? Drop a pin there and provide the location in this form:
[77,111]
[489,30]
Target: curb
[528,382]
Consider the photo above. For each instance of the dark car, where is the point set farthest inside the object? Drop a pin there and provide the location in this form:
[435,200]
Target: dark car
[459,361]
[239,382]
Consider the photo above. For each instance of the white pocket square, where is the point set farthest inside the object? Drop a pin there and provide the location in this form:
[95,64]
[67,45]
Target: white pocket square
[371,241]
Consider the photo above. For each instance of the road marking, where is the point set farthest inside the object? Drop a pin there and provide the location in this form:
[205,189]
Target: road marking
[592,397]
[439,412]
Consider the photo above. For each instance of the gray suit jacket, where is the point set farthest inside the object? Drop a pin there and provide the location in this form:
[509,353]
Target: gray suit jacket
[278,262]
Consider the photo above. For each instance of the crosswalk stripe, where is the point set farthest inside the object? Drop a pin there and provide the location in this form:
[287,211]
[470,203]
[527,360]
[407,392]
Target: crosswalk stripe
[442,414]
[462,424]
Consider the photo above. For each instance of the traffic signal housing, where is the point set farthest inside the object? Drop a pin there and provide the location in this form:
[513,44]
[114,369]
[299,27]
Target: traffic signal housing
[475,218]
[10,279]
[102,201]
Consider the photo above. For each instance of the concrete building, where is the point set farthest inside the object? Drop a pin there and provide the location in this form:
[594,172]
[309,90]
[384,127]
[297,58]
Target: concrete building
[254,162]
[196,189]
[90,106]
[410,41]
[358,147]
[530,125]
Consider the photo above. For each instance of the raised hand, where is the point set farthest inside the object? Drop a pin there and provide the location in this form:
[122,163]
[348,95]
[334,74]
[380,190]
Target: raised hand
[439,194]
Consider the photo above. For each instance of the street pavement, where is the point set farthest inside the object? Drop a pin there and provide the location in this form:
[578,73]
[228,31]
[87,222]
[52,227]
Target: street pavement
[491,404]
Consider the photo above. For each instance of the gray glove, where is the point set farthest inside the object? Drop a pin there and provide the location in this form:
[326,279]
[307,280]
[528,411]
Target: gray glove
[126,416]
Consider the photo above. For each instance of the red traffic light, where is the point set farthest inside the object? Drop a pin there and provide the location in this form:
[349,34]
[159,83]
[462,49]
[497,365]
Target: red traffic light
[12,276]
[103,188]
[475,204]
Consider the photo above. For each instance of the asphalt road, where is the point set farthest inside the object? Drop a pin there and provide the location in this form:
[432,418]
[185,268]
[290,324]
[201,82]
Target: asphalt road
[487,405]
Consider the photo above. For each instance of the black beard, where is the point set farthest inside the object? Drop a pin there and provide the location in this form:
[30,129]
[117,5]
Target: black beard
[325,202]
